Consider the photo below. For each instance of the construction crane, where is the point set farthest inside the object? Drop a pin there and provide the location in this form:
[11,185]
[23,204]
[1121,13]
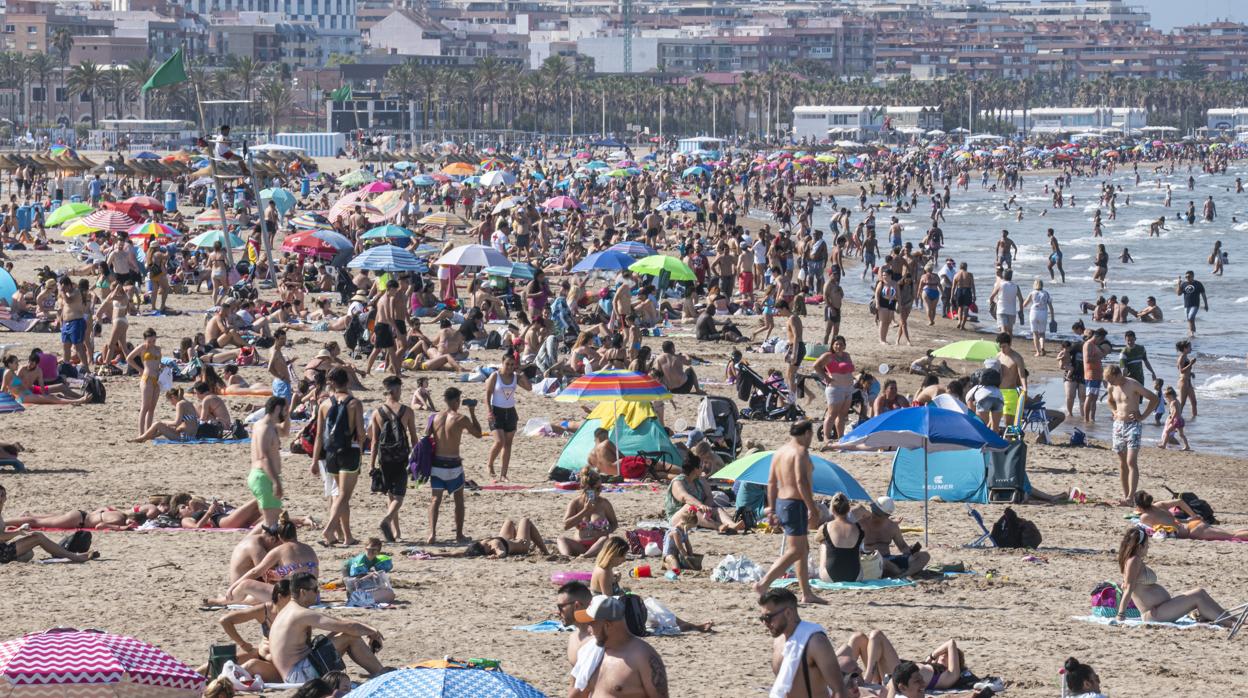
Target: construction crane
[626,20]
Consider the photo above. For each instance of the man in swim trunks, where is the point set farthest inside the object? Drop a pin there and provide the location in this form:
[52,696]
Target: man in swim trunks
[447,476]
[1013,375]
[833,295]
[265,477]
[678,375]
[1006,251]
[791,505]
[386,335]
[1124,396]
[1092,357]
[279,368]
[71,311]
[880,531]
[796,352]
[291,632]
[963,294]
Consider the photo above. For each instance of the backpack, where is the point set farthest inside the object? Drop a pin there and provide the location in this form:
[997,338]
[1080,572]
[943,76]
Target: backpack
[420,464]
[77,542]
[989,377]
[338,427]
[306,439]
[635,614]
[1202,508]
[94,387]
[392,443]
[1013,531]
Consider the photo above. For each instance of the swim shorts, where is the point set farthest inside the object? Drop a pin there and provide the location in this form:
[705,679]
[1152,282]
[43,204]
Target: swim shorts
[795,355]
[344,461]
[793,516]
[901,561]
[281,389]
[383,336]
[447,474]
[1126,436]
[302,672]
[831,314]
[394,476]
[73,331]
[261,487]
[837,394]
[745,281]
[505,419]
[963,297]
[1093,387]
[1010,398]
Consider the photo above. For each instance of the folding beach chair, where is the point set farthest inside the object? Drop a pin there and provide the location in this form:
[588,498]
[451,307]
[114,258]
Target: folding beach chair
[1239,613]
[1035,418]
[985,536]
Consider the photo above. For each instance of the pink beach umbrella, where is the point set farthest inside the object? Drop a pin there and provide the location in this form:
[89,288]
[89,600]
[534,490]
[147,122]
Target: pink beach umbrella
[69,662]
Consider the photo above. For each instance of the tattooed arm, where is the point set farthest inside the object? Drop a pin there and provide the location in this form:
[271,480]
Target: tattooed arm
[656,683]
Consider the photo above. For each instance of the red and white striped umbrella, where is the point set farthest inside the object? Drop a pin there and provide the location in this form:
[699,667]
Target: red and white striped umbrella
[64,662]
[146,202]
[112,221]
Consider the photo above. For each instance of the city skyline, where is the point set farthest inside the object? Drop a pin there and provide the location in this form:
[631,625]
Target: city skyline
[1168,14]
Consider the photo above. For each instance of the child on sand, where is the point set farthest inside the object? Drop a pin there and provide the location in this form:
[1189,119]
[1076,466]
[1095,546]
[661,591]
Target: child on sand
[677,551]
[1174,421]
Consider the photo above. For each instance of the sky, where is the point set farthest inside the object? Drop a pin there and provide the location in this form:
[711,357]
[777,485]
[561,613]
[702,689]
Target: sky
[1168,14]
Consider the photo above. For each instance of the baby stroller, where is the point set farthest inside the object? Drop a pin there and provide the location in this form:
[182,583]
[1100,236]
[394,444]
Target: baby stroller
[720,421]
[765,401]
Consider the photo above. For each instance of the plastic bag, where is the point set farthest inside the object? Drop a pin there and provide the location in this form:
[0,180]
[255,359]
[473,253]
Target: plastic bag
[240,678]
[659,619]
[737,569]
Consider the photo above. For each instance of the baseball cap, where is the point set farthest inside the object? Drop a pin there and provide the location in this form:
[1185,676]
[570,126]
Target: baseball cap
[601,608]
[694,437]
[884,505]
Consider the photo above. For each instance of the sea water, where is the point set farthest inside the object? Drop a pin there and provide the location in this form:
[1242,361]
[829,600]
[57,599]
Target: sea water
[973,224]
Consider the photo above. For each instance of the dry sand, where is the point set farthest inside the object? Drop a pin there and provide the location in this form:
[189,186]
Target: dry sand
[1016,625]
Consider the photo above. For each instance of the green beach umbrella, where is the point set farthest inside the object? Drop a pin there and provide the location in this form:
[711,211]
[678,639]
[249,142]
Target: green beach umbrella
[967,350]
[68,212]
[657,263]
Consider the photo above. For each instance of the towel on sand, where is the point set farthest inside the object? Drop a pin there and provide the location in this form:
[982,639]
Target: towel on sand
[190,442]
[546,626]
[1182,623]
[846,586]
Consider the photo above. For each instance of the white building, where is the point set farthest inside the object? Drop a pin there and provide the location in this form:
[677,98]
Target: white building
[405,33]
[1233,119]
[608,53]
[818,123]
[689,145]
[1072,119]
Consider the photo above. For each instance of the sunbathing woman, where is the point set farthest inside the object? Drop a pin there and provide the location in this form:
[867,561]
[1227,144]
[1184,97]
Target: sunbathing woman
[18,546]
[943,669]
[197,513]
[1139,584]
[13,384]
[183,425]
[591,515]
[515,538]
[288,557]
[1157,514]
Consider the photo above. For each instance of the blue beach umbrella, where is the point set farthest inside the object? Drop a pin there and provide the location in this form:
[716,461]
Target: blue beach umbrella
[282,199]
[387,258]
[828,478]
[388,231]
[633,249]
[607,260]
[421,682]
[423,180]
[338,240]
[7,286]
[677,206]
[514,270]
[928,428]
[695,171]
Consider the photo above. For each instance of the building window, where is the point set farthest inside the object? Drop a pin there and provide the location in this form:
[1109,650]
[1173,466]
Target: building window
[37,94]
[61,95]
[32,30]
[32,46]
[9,29]
[85,98]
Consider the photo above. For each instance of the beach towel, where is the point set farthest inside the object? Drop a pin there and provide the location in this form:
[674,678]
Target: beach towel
[546,626]
[1181,624]
[193,442]
[588,657]
[848,586]
[791,657]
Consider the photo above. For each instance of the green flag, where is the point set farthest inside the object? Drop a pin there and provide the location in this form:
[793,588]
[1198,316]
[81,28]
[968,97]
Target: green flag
[171,72]
[341,94]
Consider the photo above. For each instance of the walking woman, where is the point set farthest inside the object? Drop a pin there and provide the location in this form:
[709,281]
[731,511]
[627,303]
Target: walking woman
[1187,387]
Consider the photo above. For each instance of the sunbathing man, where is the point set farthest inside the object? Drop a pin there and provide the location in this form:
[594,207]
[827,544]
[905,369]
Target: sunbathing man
[881,532]
[678,374]
[802,656]
[293,626]
[1157,515]
[617,664]
[604,456]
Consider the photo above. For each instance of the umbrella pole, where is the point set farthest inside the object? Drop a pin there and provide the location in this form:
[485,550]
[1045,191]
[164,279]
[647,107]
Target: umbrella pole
[926,446]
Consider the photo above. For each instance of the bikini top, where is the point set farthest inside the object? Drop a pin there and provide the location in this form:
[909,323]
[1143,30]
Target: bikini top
[834,366]
[1146,576]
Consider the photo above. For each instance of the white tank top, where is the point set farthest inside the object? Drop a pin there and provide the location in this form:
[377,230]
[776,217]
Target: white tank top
[504,394]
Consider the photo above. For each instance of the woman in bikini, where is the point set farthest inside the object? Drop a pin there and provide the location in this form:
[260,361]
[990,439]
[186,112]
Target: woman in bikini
[257,659]
[1158,515]
[838,378]
[183,425]
[288,557]
[119,305]
[516,538]
[941,671]
[1187,386]
[145,358]
[32,392]
[105,519]
[591,515]
[1139,584]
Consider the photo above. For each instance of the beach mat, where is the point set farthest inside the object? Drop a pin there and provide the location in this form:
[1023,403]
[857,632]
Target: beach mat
[1181,624]
[847,586]
[196,442]
[546,626]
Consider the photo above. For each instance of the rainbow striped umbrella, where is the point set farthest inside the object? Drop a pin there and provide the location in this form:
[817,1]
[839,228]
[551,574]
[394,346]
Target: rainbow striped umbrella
[152,229]
[629,386]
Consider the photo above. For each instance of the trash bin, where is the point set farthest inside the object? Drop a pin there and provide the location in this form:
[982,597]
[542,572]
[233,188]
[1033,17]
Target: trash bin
[23,217]
[171,201]
[211,197]
[305,187]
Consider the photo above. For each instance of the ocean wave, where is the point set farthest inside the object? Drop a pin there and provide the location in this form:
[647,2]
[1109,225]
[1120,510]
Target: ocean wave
[1224,386]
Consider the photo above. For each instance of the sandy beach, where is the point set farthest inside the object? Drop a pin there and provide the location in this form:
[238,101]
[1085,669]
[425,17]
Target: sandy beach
[1016,625]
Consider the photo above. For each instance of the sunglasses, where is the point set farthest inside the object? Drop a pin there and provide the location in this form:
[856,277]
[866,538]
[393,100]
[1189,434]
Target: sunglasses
[766,618]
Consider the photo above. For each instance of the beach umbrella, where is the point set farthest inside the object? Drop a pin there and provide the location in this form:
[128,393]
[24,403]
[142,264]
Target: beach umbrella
[78,228]
[309,245]
[59,149]
[445,682]
[968,350]
[628,386]
[459,169]
[560,202]
[513,270]
[147,155]
[929,428]
[403,165]
[389,231]
[212,237]
[496,178]
[694,171]
[443,219]
[387,258]
[473,256]
[827,479]
[356,178]
[69,662]
[152,229]
[112,221]
[597,165]
[633,249]
[211,217]
[135,211]
[376,187]
[67,212]
[8,286]
[507,204]
[281,198]
[677,206]
[423,180]
[494,164]
[9,404]
[427,249]
[658,263]
[618,172]
[607,260]
[311,221]
[145,202]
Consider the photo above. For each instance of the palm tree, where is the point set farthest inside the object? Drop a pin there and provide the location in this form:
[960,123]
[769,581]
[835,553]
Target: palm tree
[245,70]
[62,42]
[273,96]
[427,81]
[86,78]
[137,73]
[42,66]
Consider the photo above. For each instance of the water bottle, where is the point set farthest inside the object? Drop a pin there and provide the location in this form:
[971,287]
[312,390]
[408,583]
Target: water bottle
[672,575]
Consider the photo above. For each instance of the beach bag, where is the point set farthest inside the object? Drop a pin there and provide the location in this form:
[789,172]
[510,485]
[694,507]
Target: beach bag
[659,618]
[1202,508]
[635,614]
[633,467]
[338,428]
[306,439]
[1105,602]
[1078,438]
[220,657]
[77,542]
[324,657]
[871,566]
[1013,531]
[94,388]
[420,464]
[392,443]
[638,539]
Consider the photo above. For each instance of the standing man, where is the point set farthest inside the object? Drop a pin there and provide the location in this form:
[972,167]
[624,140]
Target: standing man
[1093,355]
[1013,376]
[963,294]
[392,431]
[1134,359]
[1006,251]
[624,664]
[1008,298]
[71,311]
[385,331]
[791,504]
[339,443]
[1123,397]
[1055,256]
[1193,293]
[802,657]
[279,367]
[265,477]
[447,474]
[796,352]
[833,296]
[500,395]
